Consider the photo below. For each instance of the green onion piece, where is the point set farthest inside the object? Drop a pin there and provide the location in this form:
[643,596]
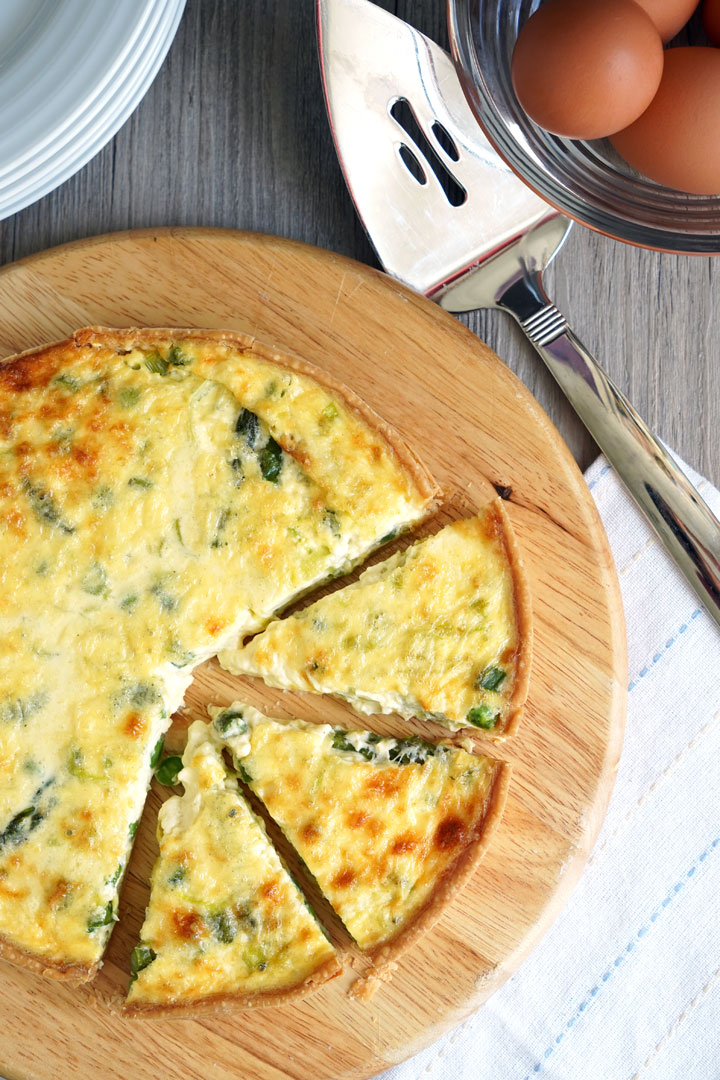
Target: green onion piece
[490,678]
[69,382]
[139,481]
[180,656]
[45,508]
[154,362]
[243,773]
[142,694]
[223,518]
[76,763]
[103,918]
[140,957]
[341,742]
[177,876]
[483,716]
[157,753]
[166,600]
[167,773]
[223,926]
[103,498]
[129,396]
[248,425]
[255,957]
[177,357]
[95,580]
[412,751]
[331,521]
[229,723]
[271,461]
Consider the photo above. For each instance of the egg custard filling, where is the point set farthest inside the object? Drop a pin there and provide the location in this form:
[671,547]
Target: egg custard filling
[225,925]
[439,631]
[162,493]
[388,827]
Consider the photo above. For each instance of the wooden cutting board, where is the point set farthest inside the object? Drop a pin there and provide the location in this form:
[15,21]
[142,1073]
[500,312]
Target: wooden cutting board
[475,426]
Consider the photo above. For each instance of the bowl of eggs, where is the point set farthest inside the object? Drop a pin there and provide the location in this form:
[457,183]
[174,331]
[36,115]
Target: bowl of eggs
[608,109]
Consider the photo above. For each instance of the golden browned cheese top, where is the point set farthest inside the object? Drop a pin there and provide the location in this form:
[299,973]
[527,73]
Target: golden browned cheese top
[224,917]
[379,822]
[432,632]
[159,495]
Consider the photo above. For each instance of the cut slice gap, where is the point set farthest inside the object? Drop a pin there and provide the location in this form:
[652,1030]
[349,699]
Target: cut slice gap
[390,829]
[440,631]
[303,705]
[337,932]
[444,514]
[225,927]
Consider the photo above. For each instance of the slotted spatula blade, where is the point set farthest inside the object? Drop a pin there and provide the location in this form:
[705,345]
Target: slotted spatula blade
[448,218]
[431,192]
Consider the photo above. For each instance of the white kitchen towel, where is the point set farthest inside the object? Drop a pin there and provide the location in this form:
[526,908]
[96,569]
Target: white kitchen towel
[626,984]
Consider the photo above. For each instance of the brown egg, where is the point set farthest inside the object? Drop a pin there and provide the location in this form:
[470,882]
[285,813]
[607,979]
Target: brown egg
[587,68]
[711,20]
[676,141]
[668,15]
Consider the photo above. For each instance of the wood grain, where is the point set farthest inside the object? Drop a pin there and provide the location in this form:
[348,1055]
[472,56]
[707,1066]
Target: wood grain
[233,133]
[474,426]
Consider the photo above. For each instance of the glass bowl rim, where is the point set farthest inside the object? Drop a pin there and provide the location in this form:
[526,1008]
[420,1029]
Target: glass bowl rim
[549,186]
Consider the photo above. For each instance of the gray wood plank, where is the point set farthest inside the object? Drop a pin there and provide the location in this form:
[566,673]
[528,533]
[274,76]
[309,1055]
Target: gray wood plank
[233,133]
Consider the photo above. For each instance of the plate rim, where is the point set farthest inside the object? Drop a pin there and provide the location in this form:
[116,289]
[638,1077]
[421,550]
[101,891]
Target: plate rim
[68,148]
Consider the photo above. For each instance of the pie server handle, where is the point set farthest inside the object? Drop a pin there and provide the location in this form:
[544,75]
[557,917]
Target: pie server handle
[683,521]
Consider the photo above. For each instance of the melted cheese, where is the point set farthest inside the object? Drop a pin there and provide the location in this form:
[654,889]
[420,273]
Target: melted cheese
[431,632]
[380,834]
[155,503]
[224,917]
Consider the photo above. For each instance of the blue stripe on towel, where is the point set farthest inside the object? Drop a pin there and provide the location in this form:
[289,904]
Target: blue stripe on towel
[668,645]
[605,469]
[619,960]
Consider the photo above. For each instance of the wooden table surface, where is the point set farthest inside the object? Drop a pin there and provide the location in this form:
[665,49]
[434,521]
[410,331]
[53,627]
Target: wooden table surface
[233,133]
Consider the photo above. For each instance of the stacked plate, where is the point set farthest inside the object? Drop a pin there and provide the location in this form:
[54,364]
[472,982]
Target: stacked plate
[71,72]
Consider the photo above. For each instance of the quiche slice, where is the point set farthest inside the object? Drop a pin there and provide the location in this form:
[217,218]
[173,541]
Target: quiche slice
[439,631]
[390,828]
[226,926]
[161,493]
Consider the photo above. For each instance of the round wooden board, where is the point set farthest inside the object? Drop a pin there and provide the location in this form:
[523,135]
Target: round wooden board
[474,425]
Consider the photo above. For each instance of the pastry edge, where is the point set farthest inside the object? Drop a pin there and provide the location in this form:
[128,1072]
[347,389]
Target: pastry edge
[219,1004]
[425,486]
[63,970]
[384,957]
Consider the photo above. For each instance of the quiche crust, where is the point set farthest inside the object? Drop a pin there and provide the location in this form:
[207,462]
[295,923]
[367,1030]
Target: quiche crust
[220,1004]
[49,967]
[447,888]
[421,482]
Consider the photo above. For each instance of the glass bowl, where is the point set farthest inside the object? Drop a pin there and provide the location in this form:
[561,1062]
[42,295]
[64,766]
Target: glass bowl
[588,181]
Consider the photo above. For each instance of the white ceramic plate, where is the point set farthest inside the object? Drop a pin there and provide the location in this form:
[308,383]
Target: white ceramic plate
[71,72]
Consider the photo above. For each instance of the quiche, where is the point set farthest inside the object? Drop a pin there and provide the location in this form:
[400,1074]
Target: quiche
[388,827]
[162,493]
[226,926]
[439,631]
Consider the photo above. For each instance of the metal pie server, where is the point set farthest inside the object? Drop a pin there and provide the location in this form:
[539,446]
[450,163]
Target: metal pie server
[447,217]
